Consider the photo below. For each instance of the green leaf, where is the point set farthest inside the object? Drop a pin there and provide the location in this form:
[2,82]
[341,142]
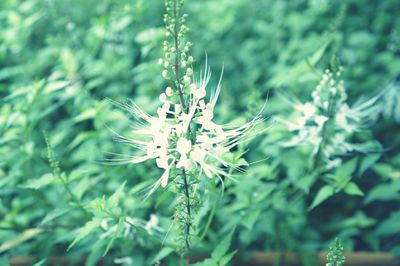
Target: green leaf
[40,263]
[250,218]
[384,192]
[352,189]
[114,199]
[38,183]
[164,252]
[347,169]
[324,193]
[22,237]
[367,162]
[227,258]
[222,247]
[117,233]
[54,214]
[86,230]
[390,226]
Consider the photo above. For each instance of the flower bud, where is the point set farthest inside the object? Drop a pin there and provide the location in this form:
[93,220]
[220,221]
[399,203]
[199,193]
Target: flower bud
[168,91]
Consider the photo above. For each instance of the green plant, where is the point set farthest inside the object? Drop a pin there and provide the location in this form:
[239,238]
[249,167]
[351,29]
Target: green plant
[335,255]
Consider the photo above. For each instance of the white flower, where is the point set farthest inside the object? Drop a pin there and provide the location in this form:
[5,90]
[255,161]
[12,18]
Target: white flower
[165,137]
[328,109]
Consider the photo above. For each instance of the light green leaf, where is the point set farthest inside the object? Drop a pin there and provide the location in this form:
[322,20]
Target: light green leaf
[116,234]
[227,258]
[250,218]
[222,247]
[384,192]
[352,189]
[164,252]
[367,162]
[114,199]
[324,193]
[40,263]
[347,169]
[54,214]
[22,237]
[86,230]
[390,226]
[38,183]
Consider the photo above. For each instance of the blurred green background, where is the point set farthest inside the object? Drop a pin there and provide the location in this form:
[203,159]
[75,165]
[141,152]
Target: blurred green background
[59,60]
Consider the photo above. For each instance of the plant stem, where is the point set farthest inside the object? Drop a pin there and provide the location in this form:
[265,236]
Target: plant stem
[184,107]
[189,218]
[177,59]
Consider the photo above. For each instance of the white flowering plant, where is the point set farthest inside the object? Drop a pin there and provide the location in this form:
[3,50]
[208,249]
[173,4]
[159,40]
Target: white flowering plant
[182,138]
[326,126]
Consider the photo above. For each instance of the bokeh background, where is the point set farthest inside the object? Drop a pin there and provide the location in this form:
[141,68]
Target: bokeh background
[59,60]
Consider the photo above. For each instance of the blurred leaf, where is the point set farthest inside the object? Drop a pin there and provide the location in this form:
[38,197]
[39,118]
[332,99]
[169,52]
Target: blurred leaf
[222,248]
[250,218]
[352,189]
[88,228]
[164,252]
[24,236]
[38,183]
[384,192]
[324,193]
[116,234]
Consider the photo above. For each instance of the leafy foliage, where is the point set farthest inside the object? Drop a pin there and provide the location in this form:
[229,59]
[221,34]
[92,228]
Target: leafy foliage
[60,59]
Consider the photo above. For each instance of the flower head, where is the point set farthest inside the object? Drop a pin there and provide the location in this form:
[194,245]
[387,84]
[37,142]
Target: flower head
[185,139]
[327,122]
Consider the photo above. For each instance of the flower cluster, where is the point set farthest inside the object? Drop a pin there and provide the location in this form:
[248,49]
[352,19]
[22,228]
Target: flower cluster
[188,140]
[328,122]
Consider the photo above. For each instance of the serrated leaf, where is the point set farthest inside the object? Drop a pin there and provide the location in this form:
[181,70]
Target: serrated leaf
[222,247]
[86,230]
[324,193]
[352,189]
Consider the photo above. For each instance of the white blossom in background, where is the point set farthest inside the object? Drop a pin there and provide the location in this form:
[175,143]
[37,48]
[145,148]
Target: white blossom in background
[185,139]
[327,122]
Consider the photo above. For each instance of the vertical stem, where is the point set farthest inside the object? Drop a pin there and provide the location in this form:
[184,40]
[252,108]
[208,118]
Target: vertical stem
[177,61]
[182,100]
[187,209]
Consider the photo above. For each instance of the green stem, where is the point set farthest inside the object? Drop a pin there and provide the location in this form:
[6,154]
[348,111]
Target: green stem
[210,218]
[177,59]
[189,218]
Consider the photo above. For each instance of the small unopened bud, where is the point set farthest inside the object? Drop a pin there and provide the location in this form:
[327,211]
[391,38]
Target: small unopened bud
[168,91]
[186,79]
[165,73]
[160,61]
[190,59]
[189,71]
[163,97]
[183,63]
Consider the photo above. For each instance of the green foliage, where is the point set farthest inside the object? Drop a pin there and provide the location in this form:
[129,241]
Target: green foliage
[60,59]
[335,255]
